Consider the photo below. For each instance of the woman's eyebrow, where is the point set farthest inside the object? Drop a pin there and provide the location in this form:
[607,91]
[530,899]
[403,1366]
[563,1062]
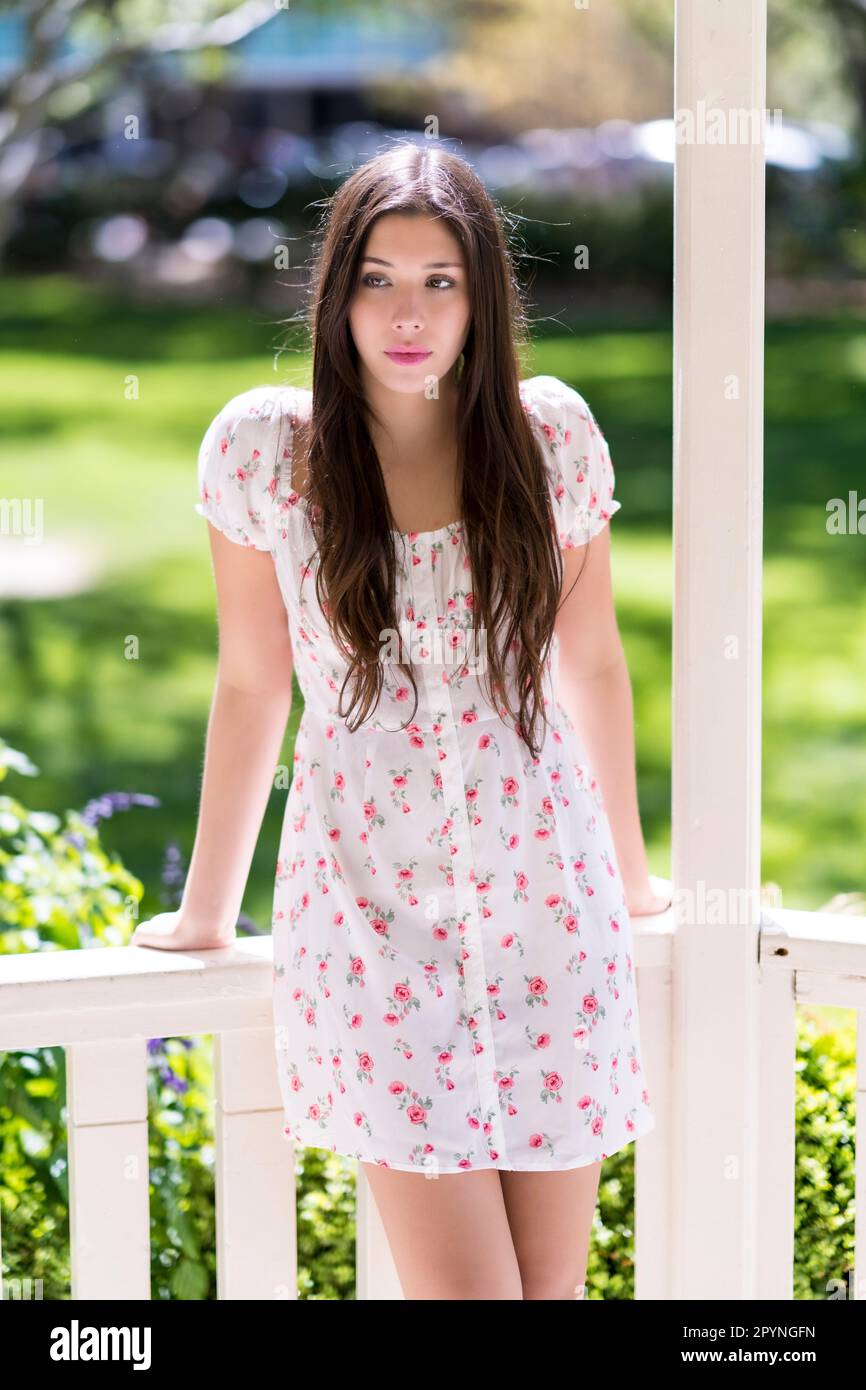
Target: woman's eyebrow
[431,265]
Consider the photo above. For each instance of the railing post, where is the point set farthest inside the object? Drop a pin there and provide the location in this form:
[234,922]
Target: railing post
[776,1058]
[255,1171]
[375,1272]
[653,1196]
[109,1206]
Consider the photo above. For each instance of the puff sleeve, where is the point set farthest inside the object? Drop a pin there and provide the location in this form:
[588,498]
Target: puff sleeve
[238,468]
[577,458]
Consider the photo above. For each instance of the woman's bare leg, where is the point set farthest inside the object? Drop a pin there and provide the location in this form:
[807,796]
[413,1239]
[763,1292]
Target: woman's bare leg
[550,1215]
[448,1233]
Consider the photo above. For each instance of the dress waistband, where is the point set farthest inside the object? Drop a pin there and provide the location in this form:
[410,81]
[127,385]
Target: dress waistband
[422,725]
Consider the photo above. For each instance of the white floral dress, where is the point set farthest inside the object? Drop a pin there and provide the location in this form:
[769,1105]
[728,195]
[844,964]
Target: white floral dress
[454,982]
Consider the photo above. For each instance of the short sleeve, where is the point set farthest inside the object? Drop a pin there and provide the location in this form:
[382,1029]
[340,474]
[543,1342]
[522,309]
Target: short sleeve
[239,463]
[577,457]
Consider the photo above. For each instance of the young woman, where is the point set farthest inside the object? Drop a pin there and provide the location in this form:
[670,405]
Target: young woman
[454,992]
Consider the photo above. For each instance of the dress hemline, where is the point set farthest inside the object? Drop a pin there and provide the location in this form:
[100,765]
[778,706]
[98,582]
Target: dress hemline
[645,1127]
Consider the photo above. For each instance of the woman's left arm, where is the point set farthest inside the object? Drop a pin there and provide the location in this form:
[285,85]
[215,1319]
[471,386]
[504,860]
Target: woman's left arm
[595,692]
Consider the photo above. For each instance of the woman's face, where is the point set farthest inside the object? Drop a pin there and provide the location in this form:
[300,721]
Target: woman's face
[412,293]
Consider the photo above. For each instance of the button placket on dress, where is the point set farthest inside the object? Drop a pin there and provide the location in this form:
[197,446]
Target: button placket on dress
[462,864]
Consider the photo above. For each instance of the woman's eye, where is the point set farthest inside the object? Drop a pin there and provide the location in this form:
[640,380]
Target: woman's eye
[372,281]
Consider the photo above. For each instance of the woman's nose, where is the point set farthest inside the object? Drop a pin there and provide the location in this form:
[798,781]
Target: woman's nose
[407,319]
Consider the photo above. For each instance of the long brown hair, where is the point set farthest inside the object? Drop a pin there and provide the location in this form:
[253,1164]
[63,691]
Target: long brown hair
[506,512]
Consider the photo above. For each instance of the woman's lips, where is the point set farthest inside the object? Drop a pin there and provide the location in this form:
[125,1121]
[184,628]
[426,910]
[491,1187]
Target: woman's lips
[407,359]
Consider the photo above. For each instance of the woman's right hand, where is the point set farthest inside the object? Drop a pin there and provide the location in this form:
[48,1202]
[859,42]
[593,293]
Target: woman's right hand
[170,931]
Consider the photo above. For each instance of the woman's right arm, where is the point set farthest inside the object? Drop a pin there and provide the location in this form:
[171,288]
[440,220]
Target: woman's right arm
[251,704]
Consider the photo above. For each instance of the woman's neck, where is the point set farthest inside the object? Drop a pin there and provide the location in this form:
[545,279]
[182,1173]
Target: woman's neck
[415,439]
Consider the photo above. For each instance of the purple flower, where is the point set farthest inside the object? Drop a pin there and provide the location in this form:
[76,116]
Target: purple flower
[170,1078]
[245,926]
[172,875]
[101,807]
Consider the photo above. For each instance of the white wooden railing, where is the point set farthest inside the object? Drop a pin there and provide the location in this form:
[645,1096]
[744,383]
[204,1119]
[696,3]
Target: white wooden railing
[816,958]
[102,1005]
[806,958]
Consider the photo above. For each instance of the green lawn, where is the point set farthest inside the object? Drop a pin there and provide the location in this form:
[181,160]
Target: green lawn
[118,479]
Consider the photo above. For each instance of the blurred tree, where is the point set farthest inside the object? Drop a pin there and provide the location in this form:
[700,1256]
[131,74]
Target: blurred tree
[75,49]
[848,20]
[521,64]
[511,65]
[816,60]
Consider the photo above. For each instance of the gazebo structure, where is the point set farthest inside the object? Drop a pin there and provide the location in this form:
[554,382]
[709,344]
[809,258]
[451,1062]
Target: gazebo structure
[719,975]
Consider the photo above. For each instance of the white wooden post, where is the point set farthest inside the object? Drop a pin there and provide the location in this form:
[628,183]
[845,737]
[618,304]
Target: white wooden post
[255,1172]
[720,63]
[109,1206]
[777,1052]
[375,1271]
[653,1195]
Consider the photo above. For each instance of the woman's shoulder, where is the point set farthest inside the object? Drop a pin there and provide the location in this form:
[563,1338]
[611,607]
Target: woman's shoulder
[545,394]
[560,410]
[269,421]
[245,460]
[577,457]
[266,405]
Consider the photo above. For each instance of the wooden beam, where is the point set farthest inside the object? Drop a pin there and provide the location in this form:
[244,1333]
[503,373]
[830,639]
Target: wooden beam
[720,95]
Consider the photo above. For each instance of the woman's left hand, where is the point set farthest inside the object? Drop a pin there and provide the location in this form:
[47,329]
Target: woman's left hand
[656,896]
